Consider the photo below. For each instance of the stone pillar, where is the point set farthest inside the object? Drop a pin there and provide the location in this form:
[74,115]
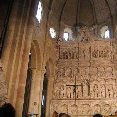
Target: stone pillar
[43,71]
[49,93]
[29,29]
[35,89]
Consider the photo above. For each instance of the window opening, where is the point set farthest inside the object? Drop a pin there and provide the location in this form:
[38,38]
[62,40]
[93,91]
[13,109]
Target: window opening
[105,33]
[52,33]
[66,36]
[39,12]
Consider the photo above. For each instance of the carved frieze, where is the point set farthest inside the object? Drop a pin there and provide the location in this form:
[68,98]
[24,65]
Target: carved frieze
[83,107]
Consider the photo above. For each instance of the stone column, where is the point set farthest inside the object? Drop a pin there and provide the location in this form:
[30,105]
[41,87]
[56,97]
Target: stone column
[49,94]
[43,71]
[35,89]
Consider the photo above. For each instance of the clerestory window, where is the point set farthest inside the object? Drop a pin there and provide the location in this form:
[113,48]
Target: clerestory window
[105,32]
[52,32]
[66,36]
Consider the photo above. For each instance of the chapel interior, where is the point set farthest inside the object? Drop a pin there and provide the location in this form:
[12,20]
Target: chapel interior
[59,56]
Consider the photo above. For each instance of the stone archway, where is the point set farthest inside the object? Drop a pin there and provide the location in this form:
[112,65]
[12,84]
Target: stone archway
[36,79]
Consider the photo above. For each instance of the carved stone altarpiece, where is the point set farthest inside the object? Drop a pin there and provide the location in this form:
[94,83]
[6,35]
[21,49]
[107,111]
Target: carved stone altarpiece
[90,63]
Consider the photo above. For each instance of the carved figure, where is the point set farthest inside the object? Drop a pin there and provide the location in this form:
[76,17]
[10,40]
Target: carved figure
[96,91]
[65,55]
[69,92]
[109,72]
[85,90]
[106,109]
[95,54]
[103,91]
[101,72]
[74,109]
[96,109]
[86,109]
[79,92]
[61,73]
[62,91]
[81,53]
[64,108]
[109,91]
[115,91]
[68,72]
[75,54]
[76,71]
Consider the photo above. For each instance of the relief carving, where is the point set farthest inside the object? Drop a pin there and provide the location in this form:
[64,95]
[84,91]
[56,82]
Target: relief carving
[85,76]
[86,109]
[62,92]
[107,109]
[115,91]
[96,91]
[74,109]
[64,108]
[85,90]
[109,72]
[68,73]
[103,91]
[101,52]
[79,92]
[60,73]
[96,109]
[109,91]
[101,71]
[69,92]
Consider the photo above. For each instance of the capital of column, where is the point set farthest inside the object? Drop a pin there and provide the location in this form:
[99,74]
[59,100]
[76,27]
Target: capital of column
[43,71]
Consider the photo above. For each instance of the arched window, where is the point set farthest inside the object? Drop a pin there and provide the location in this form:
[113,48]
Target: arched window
[105,32]
[39,12]
[67,35]
[52,33]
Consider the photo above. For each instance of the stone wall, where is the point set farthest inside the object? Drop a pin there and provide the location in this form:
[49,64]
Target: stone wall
[3,87]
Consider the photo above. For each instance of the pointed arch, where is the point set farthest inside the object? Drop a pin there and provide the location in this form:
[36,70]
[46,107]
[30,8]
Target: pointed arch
[36,55]
[37,78]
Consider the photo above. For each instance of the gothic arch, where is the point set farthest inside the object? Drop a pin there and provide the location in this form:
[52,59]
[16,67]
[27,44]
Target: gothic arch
[36,55]
[37,74]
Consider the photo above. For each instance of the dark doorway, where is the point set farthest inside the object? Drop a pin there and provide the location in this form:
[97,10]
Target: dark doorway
[44,96]
[27,90]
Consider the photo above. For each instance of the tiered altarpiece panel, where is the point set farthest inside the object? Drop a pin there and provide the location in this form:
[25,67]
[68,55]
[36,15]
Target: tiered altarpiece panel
[85,77]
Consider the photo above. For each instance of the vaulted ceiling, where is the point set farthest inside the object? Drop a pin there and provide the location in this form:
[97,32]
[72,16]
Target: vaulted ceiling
[81,12]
